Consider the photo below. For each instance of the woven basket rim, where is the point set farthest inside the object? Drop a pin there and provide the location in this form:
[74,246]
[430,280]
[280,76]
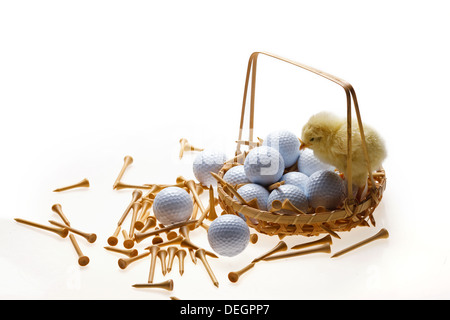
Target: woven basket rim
[371,200]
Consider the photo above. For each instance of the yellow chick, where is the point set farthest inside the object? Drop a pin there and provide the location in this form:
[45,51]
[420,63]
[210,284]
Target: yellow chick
[326,134]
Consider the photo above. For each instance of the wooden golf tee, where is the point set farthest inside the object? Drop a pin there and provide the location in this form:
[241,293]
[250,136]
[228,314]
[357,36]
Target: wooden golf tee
[58,210]
[170,257]
[136,195]
[82,259]
[82,184]
[126,163]
[324,240]
[181,254]
[128,252]
[113,240]
[90,237]
[127,242]
[323,248]
[61,232]
[200,253]
[145,212]
[167,285]
[135,207]
[281,246]
[186,146]
[139,236]
[382,234]
[185,243]
[234,275]
[123,263]
[184,231]
[153,251]
[162,255]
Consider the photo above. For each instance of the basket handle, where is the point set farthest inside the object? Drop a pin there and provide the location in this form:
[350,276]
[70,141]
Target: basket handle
[349,92]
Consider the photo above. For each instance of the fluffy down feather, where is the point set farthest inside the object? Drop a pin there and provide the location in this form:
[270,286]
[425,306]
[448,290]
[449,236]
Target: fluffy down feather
[326,134]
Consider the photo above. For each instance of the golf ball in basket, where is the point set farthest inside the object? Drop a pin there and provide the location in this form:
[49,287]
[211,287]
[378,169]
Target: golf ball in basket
[236,175]
[251,191]
[172,205]
[294,194]
[205,162]
[325,188]
[286,143]
[264,165]
[308,163]
[228,235]
[295,178]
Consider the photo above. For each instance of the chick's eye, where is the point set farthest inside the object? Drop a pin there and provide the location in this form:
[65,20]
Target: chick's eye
[311,140]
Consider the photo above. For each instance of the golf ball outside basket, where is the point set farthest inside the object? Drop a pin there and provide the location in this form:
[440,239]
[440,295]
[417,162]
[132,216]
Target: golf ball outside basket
[264,165]
[325,188]
[251,191]
[308,163]
[172,205]
[295,178]
[205,162]
[294,194]
[236,175]
[286,143]
[228,235]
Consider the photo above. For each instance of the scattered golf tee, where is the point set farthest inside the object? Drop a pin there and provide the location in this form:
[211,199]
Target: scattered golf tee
[171,251]
[325,248]
[62,232]
[57,208]
[186,146]
[90,237]
[128,252]
[162,255]
[154,252]
[82,184]
[382,234]
[82,259]
[166,285]
[139,236]
[234,275]
[127,242]
[184,231]
[123,263]
[324,240]
[113,240]
[181,254]
[200,254]
[127,161]
[281,246]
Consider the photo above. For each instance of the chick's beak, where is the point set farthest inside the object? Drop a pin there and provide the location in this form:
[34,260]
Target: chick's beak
[302,145]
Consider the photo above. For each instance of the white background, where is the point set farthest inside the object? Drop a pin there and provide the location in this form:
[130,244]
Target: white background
[84,83]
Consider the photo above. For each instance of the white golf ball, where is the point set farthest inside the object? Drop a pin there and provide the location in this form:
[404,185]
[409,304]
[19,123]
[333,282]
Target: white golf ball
[286,143]
[308,163]
[294,194]
[264,165]
[295,178]
[251,191]
[172,205]
[325,188]
[236,175]
[205,162]
[228,235]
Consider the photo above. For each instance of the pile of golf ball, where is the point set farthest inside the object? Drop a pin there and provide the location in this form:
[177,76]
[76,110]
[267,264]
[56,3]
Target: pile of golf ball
[313,184]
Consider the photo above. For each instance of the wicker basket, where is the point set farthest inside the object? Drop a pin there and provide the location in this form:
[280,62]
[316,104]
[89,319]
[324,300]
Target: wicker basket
[353,213]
